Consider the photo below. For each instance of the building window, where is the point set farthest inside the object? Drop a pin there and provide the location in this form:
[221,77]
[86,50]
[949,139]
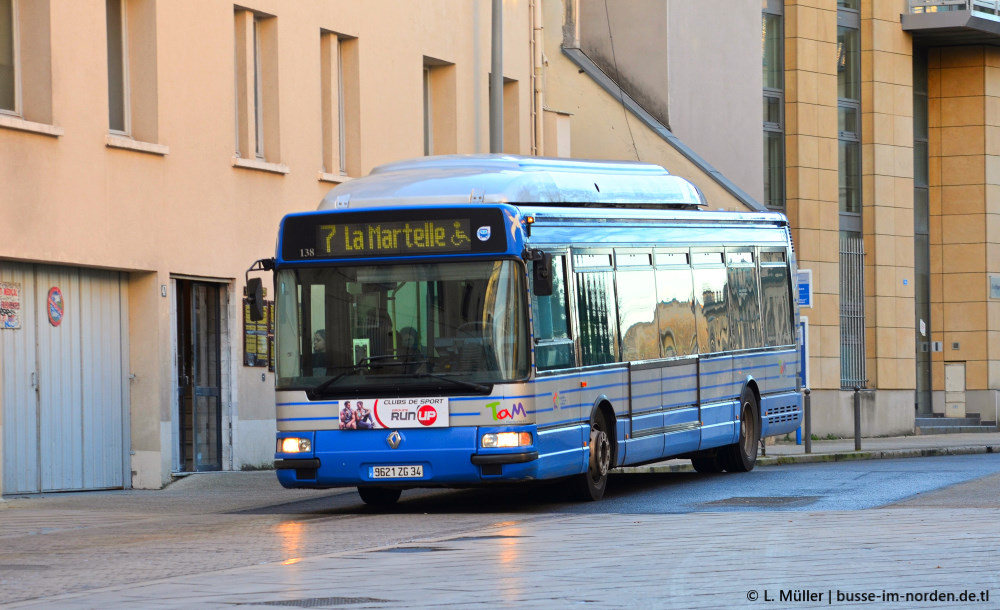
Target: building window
[921,233]
[511,117]
[440,126]
[118,120]
[8,59]
[258,93]
[26,62]
[339,91]
[428,114]
[772,52]
[849,115]
[852,255]
[132,71]
[256,86]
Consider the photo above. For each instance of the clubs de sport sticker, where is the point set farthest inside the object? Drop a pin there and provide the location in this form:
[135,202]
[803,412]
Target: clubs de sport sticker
[375,413]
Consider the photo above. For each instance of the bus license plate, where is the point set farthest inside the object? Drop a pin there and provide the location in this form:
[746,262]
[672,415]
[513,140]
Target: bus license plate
[396,472]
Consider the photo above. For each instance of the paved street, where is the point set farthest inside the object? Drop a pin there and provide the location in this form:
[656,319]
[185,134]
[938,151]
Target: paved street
[659,539]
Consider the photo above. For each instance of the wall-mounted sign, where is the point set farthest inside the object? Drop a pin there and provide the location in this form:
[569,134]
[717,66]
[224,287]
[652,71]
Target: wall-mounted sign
[805,281]
[995,286]
[258,337]
[55,306]
[10,305]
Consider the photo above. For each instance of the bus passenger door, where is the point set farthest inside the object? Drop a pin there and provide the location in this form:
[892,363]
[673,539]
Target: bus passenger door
[559,403]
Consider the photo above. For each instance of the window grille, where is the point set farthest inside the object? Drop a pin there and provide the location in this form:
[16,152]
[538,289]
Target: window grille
[852,310]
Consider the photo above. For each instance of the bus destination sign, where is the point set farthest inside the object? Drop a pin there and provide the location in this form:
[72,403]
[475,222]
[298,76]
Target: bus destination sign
[378,238]
[377,233]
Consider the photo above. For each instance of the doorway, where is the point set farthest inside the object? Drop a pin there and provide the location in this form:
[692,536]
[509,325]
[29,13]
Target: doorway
[199,376]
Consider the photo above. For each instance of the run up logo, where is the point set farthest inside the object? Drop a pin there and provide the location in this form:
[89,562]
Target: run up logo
[426,415]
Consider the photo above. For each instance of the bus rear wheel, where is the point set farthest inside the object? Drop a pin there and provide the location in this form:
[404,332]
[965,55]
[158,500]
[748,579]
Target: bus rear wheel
[379,496]
[591,484]
[742,456]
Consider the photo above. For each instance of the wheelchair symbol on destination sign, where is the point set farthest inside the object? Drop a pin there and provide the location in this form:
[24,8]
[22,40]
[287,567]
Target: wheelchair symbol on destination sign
[459,237]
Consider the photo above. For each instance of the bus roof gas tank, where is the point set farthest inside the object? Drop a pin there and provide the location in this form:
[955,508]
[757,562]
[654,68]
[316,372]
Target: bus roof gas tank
[491,179]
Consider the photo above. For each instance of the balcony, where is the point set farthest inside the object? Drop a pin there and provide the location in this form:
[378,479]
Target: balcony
[953,22]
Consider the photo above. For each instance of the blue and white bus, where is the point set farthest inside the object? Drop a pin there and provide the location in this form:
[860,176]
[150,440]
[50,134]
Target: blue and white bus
[470,320]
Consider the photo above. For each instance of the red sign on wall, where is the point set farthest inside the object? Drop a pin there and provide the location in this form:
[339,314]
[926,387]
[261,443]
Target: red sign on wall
[55,305]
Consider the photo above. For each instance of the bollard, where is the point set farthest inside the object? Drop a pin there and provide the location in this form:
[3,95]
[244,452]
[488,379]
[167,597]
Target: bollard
[857,418]
[807,423]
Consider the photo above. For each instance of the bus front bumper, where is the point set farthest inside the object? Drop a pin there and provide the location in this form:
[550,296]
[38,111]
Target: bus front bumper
[448,457]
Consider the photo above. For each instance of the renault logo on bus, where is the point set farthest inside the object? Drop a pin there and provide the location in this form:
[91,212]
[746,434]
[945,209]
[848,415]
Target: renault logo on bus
[394,439]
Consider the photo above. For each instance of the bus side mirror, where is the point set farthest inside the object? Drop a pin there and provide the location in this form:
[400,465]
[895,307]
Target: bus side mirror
[542,273]
[255,298]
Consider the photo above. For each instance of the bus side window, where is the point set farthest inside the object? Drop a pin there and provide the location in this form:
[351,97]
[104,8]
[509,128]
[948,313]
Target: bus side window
[675,306]
[744,306]
[595,295]
[637,314]
[711,308]
[553,345]
[777,311]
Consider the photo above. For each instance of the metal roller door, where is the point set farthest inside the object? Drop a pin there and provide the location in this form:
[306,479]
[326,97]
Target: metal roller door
[64,390]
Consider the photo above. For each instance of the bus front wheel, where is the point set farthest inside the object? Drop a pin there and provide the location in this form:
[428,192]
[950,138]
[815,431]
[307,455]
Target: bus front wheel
[742,456]
[591,484]
[379,496]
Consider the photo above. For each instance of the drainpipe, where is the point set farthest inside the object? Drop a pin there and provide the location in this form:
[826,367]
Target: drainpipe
[537,40]
[496,80]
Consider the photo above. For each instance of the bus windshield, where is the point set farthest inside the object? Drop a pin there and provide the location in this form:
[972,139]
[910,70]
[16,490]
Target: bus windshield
[451,327]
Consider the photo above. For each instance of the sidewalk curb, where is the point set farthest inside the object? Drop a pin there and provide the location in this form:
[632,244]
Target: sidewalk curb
[842,456]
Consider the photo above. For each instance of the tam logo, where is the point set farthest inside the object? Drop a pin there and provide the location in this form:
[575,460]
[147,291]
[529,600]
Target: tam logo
[427,415]
[514,412]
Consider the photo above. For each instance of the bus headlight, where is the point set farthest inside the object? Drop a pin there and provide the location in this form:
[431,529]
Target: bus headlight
[294,445]
[495,440]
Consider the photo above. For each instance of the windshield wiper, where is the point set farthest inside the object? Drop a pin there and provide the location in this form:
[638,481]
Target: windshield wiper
[381,361]
[469,385]
[362,364]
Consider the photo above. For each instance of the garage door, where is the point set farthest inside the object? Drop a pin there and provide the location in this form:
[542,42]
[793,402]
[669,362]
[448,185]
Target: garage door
[64,388]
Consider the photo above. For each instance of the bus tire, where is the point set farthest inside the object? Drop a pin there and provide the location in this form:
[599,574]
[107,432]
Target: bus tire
[590,485]
[379,496]
[707,465]
[742,456]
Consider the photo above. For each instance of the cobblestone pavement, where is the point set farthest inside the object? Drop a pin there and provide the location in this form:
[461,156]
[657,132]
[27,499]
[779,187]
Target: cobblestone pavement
[174,548]
[612,561]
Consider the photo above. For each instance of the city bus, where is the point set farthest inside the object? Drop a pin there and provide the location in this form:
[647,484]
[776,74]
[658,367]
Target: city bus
[472,320]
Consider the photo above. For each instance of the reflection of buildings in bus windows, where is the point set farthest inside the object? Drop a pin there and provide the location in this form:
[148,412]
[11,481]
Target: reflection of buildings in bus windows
[678,334]
[716,334]
[641,342]
[598,328]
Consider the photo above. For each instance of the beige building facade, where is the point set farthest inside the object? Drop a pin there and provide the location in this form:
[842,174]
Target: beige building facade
[148,150]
